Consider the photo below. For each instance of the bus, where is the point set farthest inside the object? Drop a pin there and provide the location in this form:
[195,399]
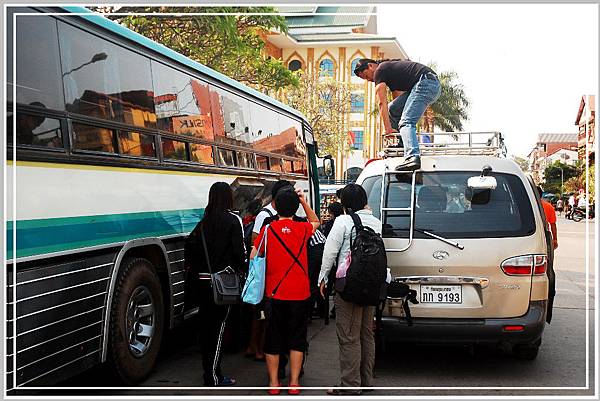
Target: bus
[113,143]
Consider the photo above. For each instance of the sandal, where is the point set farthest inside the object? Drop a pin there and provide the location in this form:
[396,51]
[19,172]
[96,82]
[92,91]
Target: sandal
[295,390]
[274,390]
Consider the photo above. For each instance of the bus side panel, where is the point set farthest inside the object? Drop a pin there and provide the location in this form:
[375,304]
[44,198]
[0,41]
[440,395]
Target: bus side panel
[175,252]
[60,315]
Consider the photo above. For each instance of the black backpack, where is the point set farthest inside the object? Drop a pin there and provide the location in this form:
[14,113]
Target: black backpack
[365,281]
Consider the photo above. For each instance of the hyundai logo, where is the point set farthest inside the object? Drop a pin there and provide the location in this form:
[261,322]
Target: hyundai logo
[441,255]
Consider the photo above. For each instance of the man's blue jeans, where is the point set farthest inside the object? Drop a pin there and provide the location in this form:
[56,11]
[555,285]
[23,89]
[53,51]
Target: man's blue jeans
[406,110]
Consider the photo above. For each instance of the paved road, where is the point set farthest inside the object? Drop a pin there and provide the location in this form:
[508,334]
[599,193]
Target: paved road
[428,370]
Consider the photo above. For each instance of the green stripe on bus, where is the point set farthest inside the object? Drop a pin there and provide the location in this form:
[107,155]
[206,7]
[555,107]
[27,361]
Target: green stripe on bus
[41,236]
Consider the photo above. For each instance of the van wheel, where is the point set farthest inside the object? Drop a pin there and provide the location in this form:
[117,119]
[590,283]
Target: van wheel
[526,352]
[136,321]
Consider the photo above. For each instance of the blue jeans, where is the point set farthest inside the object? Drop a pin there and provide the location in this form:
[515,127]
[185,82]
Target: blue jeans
[406,110]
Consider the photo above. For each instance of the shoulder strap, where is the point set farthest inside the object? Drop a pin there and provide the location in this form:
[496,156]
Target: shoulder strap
[357,225]
[296,261]
[268,211]
[205,248]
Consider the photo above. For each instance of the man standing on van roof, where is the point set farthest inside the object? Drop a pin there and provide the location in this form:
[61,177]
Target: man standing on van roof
[414,86]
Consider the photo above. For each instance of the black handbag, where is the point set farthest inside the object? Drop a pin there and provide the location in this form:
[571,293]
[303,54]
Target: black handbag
[225,283]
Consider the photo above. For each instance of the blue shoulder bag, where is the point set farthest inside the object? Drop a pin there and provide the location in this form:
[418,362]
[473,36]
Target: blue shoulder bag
[254,289]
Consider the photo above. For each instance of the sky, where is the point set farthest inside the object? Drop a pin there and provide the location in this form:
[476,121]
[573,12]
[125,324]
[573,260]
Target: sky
[524,67]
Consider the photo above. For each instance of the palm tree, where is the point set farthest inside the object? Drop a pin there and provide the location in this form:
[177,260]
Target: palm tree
[450,110]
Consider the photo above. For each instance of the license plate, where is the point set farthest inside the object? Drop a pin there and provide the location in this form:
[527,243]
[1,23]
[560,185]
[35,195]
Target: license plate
[441,294]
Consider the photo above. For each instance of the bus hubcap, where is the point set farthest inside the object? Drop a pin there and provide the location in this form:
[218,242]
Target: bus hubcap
[140,321]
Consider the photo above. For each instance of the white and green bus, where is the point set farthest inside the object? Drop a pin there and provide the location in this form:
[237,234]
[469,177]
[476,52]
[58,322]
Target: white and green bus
[113,143]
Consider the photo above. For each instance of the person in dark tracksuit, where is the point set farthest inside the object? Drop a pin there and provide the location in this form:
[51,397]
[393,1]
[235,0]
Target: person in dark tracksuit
[225,243]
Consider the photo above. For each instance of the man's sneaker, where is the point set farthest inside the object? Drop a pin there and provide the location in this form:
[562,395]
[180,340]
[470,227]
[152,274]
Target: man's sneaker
[409,164]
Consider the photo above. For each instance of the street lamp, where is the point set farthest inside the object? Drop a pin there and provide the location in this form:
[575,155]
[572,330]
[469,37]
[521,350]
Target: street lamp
[95,58]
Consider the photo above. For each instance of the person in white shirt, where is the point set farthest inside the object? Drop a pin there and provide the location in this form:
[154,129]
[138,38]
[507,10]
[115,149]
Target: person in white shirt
[571,206]
[354,323]
[582,201]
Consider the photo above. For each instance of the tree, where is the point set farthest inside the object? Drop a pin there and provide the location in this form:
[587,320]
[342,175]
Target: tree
[230,43]
[522,162]
[552,174]
[325,103]
[451,109]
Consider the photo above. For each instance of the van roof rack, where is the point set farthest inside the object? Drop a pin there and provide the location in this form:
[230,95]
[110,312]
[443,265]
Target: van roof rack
[490,143]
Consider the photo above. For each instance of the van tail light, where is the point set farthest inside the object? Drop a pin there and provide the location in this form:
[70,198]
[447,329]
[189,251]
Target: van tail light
[540,265]
[525,265]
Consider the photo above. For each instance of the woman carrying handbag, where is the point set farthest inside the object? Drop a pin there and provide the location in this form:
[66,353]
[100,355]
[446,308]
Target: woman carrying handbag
[216,245]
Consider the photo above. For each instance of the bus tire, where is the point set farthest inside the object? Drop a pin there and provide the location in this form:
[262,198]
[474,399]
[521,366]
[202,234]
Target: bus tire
[136,321]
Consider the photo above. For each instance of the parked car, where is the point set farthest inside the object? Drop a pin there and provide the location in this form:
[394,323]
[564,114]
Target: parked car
[477,253]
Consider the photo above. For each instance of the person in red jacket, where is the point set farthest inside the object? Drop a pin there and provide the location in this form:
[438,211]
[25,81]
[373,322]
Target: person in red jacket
[287,286]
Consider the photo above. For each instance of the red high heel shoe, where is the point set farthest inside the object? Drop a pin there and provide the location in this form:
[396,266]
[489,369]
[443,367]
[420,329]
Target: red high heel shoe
[295,390]
[275,390]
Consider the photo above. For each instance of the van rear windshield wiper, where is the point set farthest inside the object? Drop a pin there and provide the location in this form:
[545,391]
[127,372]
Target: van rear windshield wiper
[447,241]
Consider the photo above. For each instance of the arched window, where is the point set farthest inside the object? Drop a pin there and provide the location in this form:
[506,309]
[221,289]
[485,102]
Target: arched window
[353,78]
[353,65]
[294,65]
[326,68]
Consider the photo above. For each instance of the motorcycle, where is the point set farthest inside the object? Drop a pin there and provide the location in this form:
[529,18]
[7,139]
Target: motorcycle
[579,213]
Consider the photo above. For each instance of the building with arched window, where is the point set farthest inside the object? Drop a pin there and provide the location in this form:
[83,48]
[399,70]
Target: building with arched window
[333,39]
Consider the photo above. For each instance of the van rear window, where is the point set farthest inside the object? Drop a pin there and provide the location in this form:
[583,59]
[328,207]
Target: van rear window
[447,207]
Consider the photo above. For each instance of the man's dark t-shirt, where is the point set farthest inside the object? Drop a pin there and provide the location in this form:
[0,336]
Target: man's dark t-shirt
[400,75]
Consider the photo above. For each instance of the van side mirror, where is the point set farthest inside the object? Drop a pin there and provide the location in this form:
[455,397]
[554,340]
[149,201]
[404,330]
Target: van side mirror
[329,166]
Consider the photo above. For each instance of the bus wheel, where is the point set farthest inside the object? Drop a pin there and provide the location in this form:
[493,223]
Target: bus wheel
[136,321]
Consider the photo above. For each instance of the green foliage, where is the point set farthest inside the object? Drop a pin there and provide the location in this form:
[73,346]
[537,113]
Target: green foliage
[325,103]
[522,162]
[232,44]
[451,108]
[571,176]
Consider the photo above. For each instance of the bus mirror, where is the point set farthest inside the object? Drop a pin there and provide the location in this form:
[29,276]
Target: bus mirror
[329,166]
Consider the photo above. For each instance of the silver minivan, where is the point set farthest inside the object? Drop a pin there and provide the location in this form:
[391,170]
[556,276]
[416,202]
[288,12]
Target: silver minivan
[468,234]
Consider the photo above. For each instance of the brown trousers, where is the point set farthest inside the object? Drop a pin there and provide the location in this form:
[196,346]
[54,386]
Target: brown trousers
[354,328]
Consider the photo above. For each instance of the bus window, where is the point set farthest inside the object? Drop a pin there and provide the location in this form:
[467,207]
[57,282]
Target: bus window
[202,153]
[245,160]
[36,130]
[226,157]
[262,162]
[182,102]
[38,63]
[137,144]
[104,80]
[287,166]
[173,150]
[94,139]
[291,137]
[265,129]
[300,167]
[231,116]
[276,164]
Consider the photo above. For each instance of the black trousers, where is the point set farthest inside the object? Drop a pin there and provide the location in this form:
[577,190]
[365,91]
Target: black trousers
[211,326]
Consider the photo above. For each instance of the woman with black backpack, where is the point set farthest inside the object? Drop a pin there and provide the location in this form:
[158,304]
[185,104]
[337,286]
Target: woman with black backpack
[224,237]
[354,323]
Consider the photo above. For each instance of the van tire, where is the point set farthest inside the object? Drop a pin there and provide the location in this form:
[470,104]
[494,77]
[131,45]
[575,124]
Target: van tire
[526,352]
[137,277]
